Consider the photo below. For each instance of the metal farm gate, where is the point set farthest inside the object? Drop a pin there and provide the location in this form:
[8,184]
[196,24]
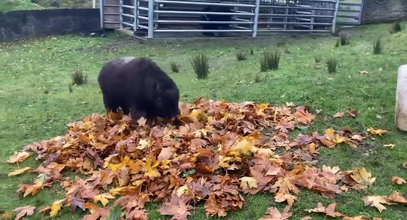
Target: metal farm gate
[163,18]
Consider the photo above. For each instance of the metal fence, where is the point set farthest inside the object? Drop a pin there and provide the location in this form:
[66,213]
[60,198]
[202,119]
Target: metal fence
[150,18]
[349,13]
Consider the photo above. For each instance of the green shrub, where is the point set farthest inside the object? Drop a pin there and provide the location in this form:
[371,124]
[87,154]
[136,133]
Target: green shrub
[79,78]
[174,67]
[251,51]
[377,47]
[318,58]
[331,64]
[240,56]
[200,64]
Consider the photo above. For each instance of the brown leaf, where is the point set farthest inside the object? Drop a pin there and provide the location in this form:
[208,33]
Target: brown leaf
[398,180]
[329,210]
[274,214]
[24,211]
[339,115]
[377,202]
[177,207]
[360,217]
[352,112]
[397,198]
[18,157]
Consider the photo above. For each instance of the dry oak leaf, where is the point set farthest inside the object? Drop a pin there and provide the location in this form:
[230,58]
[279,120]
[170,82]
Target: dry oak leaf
[339,115]
[329,210]
[379,132]
[360,217]
[362,176]
[177,207]
[397,198]
[24,211]
[274,214]
[377,202]
[19,171]
[18,157]
[398,180]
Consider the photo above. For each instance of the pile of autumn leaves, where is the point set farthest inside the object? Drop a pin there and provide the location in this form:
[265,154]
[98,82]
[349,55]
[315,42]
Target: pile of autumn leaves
[214,152]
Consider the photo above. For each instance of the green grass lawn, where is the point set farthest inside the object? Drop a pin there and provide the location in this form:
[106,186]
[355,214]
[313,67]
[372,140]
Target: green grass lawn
[10,5]
[36,104]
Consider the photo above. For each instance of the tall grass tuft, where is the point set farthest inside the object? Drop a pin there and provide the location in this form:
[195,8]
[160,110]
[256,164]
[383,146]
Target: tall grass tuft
[200,64]
[343,40]
[251,51]
[332,63]
[377,47]
[269,61]
[174,67]
[79,78]
[396,27]
[241,56]
[318,58]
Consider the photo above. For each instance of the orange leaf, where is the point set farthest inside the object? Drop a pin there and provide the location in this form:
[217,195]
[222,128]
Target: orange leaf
[398,180]
[24,211]
[18,157]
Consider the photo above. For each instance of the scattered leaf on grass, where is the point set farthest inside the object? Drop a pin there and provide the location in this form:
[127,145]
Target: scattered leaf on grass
[398,180]
[377,202]
[329,210]
[339,115]
[24,211]
[19,171]
[379,132]
[274,214]
[18,157]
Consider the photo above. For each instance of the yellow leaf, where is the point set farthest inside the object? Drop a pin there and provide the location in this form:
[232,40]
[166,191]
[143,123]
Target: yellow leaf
[339,139]
[116,167]
[151,170]
[55,207]
[182,190]
[362,176]
[18,157]
[143,143]
[19,171]
[103,198]
[330,132]
[244,147]
[248,183]
[379,132]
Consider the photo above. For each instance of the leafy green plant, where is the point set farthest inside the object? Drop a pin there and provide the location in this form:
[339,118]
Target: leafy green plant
[200,64]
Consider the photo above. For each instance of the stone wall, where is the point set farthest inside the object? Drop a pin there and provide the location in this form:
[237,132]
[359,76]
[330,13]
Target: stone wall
[16,25]
[381,11]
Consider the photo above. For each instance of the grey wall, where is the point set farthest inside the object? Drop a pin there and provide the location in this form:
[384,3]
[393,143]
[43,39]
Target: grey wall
[379,11]
[16,25]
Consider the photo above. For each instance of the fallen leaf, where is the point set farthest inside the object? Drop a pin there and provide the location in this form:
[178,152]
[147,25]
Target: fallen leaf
[379,132]
[391,146]
[397,198]
[55,207]
[103,198]
[362,176]
[339,115]
[24,211]
[177,207]
[398,180]
[352,112]
[360,217]
[376,201]
[20,171]
[274,214]
[329,210]
[18,157]
[248,183]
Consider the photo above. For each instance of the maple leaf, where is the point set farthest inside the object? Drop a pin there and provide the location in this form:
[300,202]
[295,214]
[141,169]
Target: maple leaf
[274,214]
[362,176]
[339,115]
[397,198]
[379,132]
[18,157]
[282,197]
[213,208]
[329,210]
[376,201]
[31,189]
[19,171]
[24,211]
[177,207]
[103,198]
[55,207]
[398,180]
[96,212]
[248,183]
[303,116]
[150,167]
